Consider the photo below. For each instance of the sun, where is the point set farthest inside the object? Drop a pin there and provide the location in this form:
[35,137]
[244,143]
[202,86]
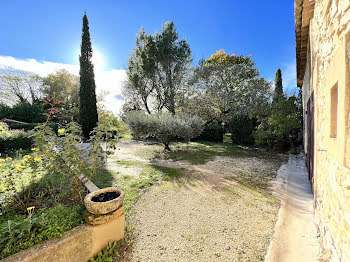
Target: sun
[97,59]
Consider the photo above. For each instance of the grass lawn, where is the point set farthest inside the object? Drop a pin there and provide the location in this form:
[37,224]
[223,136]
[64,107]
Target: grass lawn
[192,152]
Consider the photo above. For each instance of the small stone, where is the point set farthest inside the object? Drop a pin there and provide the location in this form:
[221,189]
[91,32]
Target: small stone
[176,248]
[227,247]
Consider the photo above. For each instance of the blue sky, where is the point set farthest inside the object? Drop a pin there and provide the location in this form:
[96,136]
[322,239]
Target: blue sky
[50,31]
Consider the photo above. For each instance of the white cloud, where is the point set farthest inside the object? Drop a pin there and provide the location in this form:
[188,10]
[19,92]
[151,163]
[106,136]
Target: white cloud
[289,75]
[107,81]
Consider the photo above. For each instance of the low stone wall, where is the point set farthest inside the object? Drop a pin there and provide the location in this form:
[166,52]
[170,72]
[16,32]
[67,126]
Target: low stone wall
[78,245]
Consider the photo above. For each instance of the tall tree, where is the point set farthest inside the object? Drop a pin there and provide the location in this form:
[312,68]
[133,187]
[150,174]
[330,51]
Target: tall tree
[232,85]
[157,69]
[88,108]
[278,93]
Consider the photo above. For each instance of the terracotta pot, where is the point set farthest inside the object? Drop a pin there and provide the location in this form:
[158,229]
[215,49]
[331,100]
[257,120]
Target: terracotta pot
[99,207]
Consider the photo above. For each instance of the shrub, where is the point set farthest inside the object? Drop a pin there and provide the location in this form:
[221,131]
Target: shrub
[31,126]
[241,128]
[25,112]
[17,178]
[212,132]
[279,122]
[163,126]
[19,232]
[64,153]
[13,140]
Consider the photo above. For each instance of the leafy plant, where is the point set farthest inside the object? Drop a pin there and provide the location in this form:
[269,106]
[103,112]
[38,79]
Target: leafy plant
[212,132]
[108,254]
[23,111]
[15,140]
[163,126]
[279,121]
[65,153]
[241,127]
[19,232]
[12,185]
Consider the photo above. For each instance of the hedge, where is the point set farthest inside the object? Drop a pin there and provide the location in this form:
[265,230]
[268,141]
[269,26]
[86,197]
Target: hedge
[31,126]
[241,128]
[15,140]
[212,132]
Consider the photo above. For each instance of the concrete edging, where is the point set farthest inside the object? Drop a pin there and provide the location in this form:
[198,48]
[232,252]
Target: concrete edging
[77,245]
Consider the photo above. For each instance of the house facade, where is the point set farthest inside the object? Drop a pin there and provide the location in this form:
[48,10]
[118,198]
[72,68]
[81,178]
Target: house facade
[322,29]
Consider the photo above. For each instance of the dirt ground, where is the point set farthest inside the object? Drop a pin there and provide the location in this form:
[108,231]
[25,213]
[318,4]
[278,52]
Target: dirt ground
[219,209]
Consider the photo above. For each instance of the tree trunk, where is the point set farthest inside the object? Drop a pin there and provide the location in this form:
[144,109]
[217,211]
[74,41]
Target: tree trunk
[167,148]
[292,146]
[146,106]
[166,144]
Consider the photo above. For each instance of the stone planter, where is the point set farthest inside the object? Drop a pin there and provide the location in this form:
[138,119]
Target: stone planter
[104,201]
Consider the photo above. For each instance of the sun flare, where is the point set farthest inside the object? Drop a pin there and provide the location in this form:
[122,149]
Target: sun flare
[97,59]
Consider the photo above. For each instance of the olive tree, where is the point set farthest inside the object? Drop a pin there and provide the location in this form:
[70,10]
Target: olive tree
[163,126]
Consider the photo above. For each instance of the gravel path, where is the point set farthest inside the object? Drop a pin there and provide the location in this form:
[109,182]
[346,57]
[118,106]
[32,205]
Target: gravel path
[205,215]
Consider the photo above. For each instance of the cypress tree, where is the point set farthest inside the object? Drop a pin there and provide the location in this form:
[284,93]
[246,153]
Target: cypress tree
[87,108]
[278,93]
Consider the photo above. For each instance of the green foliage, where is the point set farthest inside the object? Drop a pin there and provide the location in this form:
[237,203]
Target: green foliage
[17,179]
[115,124]
[31,126]
[163,126]
[241,128]
[278,93]
[64,153]
[19,232]
[64,86]
[231,84]
[280,121]
[11,140]
[88,108]
[128,163]
[156,70]
[195,153]
[108,254]
[25,112]
[212,132]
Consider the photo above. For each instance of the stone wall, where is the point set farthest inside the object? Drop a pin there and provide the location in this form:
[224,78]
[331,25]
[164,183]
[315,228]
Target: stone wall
[329,36]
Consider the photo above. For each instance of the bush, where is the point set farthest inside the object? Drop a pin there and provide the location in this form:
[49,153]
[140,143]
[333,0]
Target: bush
[163,126]
[14,140]
[241,128]
[31,126]
[279,122]
[212,132]
[25,112]
[19,232]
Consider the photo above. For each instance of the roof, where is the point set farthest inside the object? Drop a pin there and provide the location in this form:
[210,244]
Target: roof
[303,12]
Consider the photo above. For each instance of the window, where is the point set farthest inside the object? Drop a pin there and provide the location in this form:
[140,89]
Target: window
[334,111]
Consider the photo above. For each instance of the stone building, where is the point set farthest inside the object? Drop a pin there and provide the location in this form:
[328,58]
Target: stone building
[322,29]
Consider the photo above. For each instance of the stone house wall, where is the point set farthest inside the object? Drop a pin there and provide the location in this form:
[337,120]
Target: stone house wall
[327,75]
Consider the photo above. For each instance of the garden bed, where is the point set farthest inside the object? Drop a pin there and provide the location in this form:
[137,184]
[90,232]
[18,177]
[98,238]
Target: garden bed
[30,218]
